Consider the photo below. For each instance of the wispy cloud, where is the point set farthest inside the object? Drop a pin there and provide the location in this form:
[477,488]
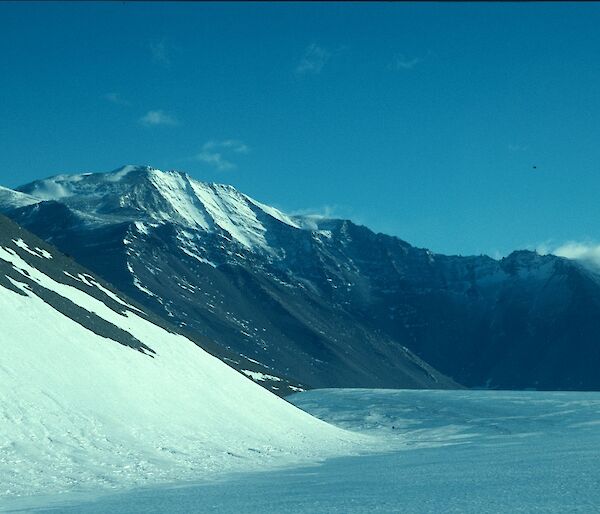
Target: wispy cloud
[322,212]
[161,52]
[587,253]
[115,98]
[314,59]
[312,217]
[159,117]
[230,144]
[217,153]
[517,148]
[401,62]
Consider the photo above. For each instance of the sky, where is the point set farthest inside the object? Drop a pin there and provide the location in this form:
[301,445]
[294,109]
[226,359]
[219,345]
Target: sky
[463,128]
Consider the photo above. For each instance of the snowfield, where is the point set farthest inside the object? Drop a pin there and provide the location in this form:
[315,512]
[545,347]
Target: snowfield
[447,451]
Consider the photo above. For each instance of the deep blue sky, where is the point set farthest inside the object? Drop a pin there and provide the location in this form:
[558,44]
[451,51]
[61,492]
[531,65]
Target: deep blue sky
[419,120]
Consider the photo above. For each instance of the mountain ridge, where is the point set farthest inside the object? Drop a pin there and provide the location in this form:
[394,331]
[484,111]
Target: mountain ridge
[325,300]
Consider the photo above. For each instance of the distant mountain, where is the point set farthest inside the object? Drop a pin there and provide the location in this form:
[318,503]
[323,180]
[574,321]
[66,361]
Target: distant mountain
[95,392]
[324,301]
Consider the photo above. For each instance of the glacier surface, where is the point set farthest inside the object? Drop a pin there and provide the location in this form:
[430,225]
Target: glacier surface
[447,451]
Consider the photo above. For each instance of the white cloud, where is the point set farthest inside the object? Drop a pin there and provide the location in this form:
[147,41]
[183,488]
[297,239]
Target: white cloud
[231,144]
[214,153]
[587,253]
[216,160]
[311,217]
[159,117]
[401,62]
[115,98]
[313,60]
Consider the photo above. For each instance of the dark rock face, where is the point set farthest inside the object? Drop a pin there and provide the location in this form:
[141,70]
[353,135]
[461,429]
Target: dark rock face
[326,302]
[63,270]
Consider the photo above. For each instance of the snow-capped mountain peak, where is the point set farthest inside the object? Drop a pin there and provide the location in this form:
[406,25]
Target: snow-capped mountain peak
[145,194]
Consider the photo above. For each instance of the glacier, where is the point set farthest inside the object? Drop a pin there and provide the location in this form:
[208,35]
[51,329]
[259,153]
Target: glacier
[440,451]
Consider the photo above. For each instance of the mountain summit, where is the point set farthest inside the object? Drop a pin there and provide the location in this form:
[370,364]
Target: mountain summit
[324,301]
[148,195]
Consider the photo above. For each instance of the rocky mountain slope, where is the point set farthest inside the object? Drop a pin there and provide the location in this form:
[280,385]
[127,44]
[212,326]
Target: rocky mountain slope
[95,393]
[325,301]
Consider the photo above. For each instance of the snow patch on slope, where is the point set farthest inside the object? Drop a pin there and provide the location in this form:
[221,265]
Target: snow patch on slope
[230,212]
[38,252]
[257,376]
[173,188]
[137,283]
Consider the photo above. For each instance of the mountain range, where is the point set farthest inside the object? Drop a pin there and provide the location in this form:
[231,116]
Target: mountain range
[316,302]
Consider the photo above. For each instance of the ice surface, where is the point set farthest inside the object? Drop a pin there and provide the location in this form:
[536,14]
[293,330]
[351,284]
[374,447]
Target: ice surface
[449,451]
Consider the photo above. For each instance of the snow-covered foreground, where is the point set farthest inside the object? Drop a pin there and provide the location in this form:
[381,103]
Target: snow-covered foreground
[450,451]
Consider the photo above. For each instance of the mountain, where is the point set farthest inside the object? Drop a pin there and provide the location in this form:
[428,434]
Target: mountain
[280,384]
[95,392]
[324,301]
[225,268]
